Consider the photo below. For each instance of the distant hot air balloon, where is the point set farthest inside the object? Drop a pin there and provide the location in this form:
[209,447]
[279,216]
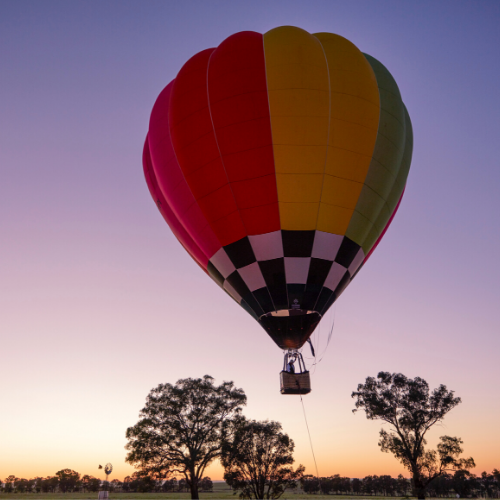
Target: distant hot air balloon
[279,161]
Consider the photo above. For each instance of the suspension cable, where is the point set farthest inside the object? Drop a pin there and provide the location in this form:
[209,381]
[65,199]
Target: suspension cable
[321,356]
[310,440]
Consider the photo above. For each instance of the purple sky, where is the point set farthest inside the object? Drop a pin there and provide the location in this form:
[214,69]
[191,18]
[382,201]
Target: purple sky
[99,303]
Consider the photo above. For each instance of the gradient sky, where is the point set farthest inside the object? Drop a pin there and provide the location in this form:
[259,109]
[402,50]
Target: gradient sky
[100,303]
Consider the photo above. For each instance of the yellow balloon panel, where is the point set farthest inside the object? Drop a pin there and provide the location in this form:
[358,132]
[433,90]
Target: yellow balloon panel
[354,119]
[299,104]
[357,165]
[338,133]
[334,219]
[298,216]
[299,188]
[291,158]
[345,192]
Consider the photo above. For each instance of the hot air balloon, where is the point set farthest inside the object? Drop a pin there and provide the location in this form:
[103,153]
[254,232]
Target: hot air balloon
[279,161]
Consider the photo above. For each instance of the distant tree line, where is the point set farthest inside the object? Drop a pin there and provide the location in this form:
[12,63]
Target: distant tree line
[70,481]
[462,482]
[138,483]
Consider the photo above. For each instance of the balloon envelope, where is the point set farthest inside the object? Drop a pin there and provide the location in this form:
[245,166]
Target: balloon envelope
[278,161]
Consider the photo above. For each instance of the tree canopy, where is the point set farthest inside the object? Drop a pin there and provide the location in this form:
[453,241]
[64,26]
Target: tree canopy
[181,428]
[411,410]
[68,480]
[257,459]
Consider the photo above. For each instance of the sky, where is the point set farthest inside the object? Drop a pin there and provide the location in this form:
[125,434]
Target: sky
[99,303]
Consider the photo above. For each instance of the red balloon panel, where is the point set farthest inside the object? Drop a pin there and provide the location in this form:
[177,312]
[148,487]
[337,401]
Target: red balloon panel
[171,179]
[175,225]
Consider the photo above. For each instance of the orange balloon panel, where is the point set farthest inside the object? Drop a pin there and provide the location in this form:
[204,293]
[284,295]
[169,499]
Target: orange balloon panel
[279,161]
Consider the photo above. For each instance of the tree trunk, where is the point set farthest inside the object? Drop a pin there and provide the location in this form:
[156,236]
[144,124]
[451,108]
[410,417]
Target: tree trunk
[261,488]
[193,485]
[418,486]
[192,482]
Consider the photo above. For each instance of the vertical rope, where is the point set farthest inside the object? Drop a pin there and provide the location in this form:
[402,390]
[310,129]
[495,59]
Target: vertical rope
[310,440]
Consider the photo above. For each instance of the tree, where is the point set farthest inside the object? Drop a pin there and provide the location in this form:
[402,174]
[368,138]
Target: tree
[402,485]
[367,485]
[21,485]
[181,428]
[50,484]
[488,485]
[128,484]
[170,485]
[115,485]
[310,484]
[496,474]
[326,485]
[256,457]
[408,407]
[68,480]
[356,485]
[9,483]
[464,483]
[207,484]
[94,484]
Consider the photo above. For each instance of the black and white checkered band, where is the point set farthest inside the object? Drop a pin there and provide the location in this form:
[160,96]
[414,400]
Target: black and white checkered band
[286,270]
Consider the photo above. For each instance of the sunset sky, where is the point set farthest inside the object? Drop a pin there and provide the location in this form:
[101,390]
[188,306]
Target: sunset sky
[100,303]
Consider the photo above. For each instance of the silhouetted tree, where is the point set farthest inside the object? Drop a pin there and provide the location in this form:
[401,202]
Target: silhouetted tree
[206,484]
[94,484]
[68,480]
[367,485]
[21,485]
[85,482]
[146,484]
[441,486]
[115,485]
[31,485]
[170,485]
[183,486]
[408,407]
[326,485]
[181,428]
[464,483]
[310,484]
[127,480]
[403,485]
[356,485]
[342,484]
[487,485]
[50,484]
[9,484]
[257,460]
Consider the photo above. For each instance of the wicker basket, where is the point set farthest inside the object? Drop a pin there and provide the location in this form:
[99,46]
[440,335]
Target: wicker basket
[295,383]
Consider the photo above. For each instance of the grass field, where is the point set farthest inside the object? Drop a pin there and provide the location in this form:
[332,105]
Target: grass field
[161,496]
[221,491]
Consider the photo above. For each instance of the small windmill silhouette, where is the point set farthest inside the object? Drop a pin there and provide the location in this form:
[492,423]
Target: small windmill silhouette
[108,469]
